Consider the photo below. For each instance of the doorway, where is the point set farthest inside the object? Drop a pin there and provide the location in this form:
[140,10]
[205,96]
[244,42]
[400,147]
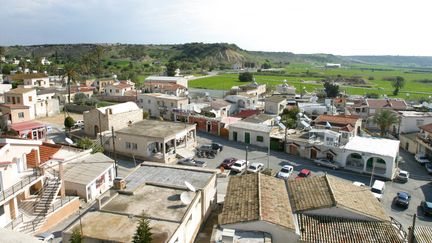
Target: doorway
[235,136]
[247,137]
[313,154]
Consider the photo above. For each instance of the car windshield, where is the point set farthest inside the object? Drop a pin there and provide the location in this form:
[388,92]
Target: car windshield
[403,196]
[237,164]
[422,157]
[429,165]
[252,167]
[302,174]
[376,190]
[285,170]
[403,175]
[199,162]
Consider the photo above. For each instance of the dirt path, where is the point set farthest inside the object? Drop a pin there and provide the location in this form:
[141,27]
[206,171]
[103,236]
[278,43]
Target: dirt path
[59,119]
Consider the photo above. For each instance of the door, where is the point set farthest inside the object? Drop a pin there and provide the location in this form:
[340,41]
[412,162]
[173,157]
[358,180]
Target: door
[235,136]
[313,154]
[293,150]
[407,146]
[247,137]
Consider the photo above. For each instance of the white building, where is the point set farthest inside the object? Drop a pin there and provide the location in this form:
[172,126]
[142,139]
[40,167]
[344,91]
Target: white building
[118,89]
[175,209]
[250,133]
[161,105]
[164,79]
[410,121]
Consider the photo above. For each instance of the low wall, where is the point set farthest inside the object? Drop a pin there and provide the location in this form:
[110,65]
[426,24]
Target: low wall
[60,214]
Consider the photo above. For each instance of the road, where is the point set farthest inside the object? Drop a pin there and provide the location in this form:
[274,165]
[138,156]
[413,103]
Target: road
[419,185]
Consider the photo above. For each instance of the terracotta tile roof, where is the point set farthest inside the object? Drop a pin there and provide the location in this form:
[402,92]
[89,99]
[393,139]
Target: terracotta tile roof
[386,103]
[328,191]
[247,113]
[338,119]
[257,197]
[122,85]
[27,76]
[15,106]
[131,93]
[423,234]
[427,127]
[19,91]
[325,229]
[26,125]
[46,152]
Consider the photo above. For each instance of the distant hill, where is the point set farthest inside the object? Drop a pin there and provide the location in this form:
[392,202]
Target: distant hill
[215,54]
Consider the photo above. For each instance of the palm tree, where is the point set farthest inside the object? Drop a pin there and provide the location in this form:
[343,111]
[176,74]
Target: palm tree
[70,70]
[384,119]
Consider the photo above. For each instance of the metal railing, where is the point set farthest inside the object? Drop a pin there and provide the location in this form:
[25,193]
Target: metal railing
[14,223]
[399,227]
[19,185]
[59,203]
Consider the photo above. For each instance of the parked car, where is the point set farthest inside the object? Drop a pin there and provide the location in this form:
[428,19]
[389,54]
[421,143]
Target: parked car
[227,163]
[45,237]
[285,172]
[428,167]
[421,158]
[303,174]
[217,147]
[79,123]
[208,148]
[357,183]
[192,162]
[427,208]
[240,166]
[402,199]
[255,167]
[378,189]
[327,163]
[402,176]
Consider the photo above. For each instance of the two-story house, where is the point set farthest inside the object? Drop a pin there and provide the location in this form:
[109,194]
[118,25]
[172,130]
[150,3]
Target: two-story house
[118,89]
[275,104]
[23,97]
[161,105]
[164,88]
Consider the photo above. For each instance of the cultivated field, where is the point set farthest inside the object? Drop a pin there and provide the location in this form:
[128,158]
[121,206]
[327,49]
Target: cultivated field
[418,81]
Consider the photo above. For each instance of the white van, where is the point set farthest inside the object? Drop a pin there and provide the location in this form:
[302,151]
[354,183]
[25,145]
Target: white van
[378,189]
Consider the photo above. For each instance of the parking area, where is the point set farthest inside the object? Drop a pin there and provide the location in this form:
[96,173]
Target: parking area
[419,185]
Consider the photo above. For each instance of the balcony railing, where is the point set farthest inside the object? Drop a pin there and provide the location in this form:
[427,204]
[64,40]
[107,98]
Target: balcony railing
[19,185]
[14,223]
[59,203]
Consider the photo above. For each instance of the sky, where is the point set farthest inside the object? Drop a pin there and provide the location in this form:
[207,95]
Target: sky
[343,27]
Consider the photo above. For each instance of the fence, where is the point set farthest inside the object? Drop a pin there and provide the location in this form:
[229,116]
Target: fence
[12,225]
[19,185]
[59,203]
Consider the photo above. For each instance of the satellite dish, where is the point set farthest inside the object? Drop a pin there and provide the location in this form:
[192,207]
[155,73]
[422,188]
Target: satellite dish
[69,141]
[277,119]
[190,187]
[186,197]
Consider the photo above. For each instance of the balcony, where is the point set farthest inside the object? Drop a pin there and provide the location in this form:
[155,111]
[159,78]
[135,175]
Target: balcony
[17,187]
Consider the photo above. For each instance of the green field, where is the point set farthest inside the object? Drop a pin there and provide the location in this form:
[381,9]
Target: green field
[412,89]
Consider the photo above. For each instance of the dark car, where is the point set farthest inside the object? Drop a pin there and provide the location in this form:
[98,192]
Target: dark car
[303,174]
[217,147]
[427,208]
[192,162]
[428,167]
[402,199]
[227,163]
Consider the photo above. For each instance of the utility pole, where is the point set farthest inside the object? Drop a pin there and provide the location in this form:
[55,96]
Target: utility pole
[246,154]
[268,157]
[114,150]
[100,128]
[411,231]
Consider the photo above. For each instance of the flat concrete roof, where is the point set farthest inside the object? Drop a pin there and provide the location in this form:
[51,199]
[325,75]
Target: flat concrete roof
[160,203]
[379,146]
[118,227]
[87,169]
[155,129]
[167,176]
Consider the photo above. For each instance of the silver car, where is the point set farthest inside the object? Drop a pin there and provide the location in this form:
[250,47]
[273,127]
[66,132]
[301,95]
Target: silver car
[327,163]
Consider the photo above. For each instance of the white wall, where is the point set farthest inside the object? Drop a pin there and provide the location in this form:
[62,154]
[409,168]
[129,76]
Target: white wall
[279,234]
[253,136]
[411,124]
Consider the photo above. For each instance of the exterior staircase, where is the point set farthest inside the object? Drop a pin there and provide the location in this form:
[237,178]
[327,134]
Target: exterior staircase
[42,206]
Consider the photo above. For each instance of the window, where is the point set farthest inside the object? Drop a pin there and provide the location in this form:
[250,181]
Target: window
[172,104]
[260,139]
[1,210]
[8,99]
[42,104]
[128,145]
[18,100]
[141,101]
[117,90]
[134,146]
[419,122]
[149,101]
[20,114]
[30,98]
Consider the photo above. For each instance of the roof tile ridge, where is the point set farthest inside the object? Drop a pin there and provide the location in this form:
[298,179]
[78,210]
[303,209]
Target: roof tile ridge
[259,195]
[331,189]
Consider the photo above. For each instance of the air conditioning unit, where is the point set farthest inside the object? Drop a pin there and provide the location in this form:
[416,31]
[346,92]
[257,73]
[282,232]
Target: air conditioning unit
[228,235]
